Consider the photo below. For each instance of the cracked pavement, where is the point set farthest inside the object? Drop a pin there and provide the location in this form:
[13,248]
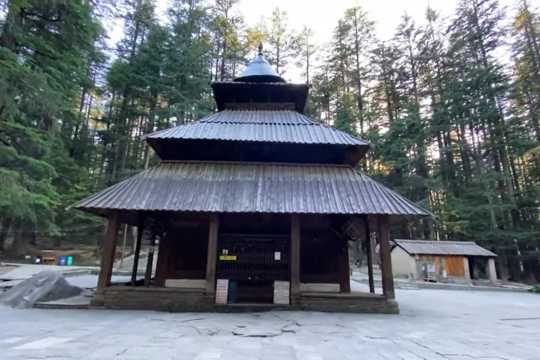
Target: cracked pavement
[433,325]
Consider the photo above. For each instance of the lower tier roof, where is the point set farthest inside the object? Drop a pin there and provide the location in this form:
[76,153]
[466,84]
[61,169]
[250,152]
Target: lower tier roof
[226,187]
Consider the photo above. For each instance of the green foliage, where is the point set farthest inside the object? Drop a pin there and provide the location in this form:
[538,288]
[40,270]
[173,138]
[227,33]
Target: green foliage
[42,71]
[450,127]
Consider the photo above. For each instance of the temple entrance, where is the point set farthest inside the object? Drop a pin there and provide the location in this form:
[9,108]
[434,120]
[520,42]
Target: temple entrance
[252,255]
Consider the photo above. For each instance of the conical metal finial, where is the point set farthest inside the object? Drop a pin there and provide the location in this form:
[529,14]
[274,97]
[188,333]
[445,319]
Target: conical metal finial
[259,70]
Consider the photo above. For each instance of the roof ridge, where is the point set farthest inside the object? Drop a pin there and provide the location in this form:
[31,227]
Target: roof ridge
[438,241]
[253,122]
[253,163]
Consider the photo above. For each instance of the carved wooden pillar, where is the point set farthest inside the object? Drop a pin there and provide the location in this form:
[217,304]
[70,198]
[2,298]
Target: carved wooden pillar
[211,258]
[386,260]
[107,255]
[295,259]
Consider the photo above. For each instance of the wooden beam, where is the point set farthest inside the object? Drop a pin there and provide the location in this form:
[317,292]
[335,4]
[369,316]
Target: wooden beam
[137,252]
[107,255]
[295,259]
[369,253]
[211,259]
[386,260]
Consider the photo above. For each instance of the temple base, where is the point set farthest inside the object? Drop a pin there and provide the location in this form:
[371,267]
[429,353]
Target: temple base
[196,300]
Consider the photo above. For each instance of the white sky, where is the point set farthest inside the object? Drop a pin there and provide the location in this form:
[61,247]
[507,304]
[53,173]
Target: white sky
[322,16]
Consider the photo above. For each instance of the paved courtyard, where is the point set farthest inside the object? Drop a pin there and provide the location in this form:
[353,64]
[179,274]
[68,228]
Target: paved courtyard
[434,324]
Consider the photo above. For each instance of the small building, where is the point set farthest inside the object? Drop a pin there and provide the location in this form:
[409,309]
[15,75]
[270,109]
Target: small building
[442,260]
[253,205]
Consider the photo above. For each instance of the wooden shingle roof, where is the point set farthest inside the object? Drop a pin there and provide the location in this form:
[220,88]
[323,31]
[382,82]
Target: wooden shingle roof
[251,188]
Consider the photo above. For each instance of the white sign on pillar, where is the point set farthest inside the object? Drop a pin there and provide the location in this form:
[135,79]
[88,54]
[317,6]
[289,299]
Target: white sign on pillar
[222,291]
[282,292]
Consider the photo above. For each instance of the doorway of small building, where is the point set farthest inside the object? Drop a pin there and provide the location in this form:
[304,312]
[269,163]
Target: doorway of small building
[253,253]
[478,268]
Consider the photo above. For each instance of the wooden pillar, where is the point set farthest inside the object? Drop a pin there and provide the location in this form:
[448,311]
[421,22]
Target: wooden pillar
[344,268]
[137,253]
[150,261]
[386,260]
[492,271]
[369,252]
[211,259]
[162,261]
[107,255]
[295,259]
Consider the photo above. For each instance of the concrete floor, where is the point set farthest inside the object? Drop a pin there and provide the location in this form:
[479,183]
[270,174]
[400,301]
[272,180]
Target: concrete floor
[434,324]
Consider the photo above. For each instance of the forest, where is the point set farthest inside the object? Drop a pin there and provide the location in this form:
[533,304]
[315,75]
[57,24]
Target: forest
[451,107]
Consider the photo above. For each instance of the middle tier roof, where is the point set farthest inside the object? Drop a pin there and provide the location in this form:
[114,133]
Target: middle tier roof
[281,126]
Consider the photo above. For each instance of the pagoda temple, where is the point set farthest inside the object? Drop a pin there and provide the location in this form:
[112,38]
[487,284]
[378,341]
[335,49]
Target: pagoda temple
[255,206]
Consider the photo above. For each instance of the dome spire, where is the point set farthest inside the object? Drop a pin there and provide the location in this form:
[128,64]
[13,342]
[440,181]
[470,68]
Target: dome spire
[259,70]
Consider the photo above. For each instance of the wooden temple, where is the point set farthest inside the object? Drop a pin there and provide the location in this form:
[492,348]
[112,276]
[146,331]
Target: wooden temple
[252,207]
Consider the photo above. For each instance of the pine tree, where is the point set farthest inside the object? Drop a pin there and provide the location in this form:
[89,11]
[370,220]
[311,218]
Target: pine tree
[283,42]
[42,74]
[229,52]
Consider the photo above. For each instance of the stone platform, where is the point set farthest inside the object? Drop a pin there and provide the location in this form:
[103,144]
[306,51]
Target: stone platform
[196,300]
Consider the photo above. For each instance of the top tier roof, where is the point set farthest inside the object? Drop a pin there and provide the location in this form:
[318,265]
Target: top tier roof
[260,118]
[259,88]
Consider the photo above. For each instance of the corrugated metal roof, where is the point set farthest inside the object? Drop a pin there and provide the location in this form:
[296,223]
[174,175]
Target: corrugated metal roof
[252,188]
[282,126]
[427,247]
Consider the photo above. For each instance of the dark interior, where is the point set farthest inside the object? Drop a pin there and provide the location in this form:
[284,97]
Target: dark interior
[214,150]
[253,258]
[184,252]
[320,247]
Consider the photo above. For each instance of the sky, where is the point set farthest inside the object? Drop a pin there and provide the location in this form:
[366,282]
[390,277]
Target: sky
[322,16]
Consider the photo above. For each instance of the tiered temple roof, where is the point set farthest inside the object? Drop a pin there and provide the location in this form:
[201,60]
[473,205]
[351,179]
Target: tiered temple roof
[258,154]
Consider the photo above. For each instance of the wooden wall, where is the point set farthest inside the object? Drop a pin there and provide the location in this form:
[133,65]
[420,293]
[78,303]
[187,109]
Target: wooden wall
[455,266]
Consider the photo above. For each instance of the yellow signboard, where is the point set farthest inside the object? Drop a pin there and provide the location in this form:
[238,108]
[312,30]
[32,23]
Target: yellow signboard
[227,257]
